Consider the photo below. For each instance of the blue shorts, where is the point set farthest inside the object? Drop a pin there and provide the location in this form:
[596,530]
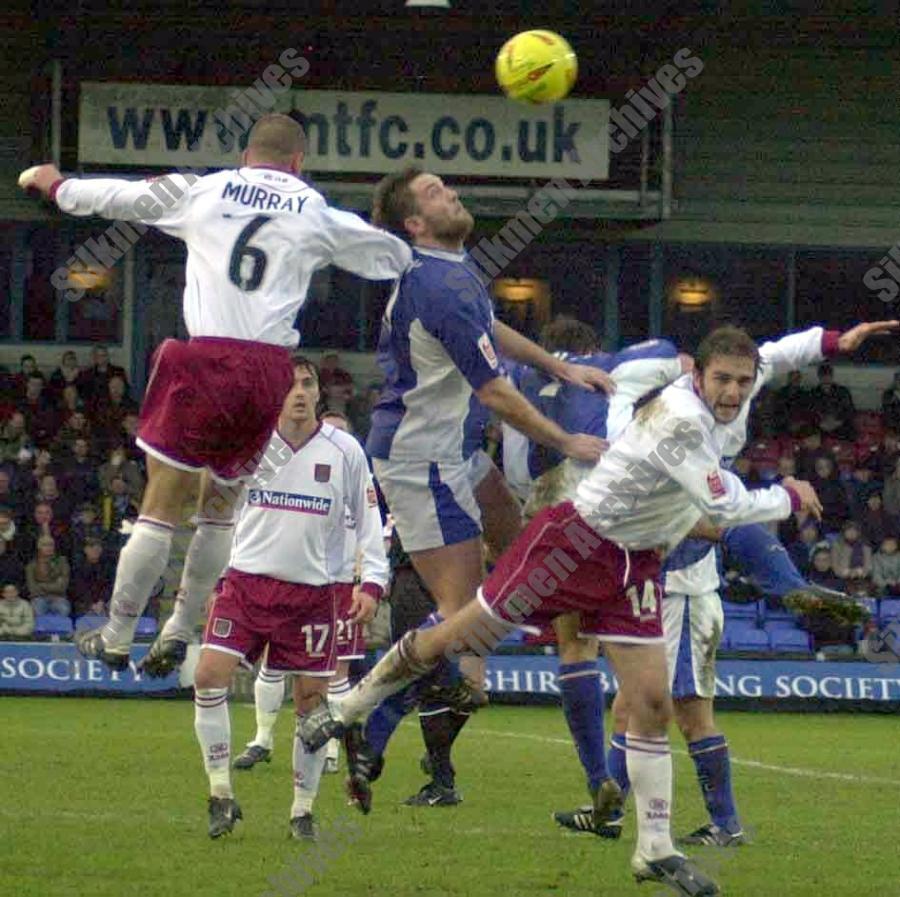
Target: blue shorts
[692,626]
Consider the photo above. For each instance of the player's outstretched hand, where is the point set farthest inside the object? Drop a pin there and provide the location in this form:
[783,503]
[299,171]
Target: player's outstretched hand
[582,447]
[589,378]
[809,501]
[40,178]
[362,607]
[851,340]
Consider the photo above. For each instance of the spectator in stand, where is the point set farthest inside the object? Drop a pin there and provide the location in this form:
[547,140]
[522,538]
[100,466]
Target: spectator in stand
[27,367]
[875,523]
[809,452]
[92,580]
[744,468]
[49,493]
[108,412]
[833,406]
[9,498]
[821,573]
[117,505]
[76,425]
[85,525]
[66,374]
[41,418]
[890,405]
[889,452]
[361,411]
[14,438]
[787,467]
[12,536]
[863,481]
[330,369]
[792,405]
[832,494]
[69,401]
[118,464]
[128,438]
[11,567]
[92,382]
[78,474]
[891,492]
[43,525]
[801,548]
[851,557]
[16,615]
[886,568]
[47,577]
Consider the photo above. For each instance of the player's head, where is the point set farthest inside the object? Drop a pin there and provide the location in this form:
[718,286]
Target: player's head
[302,401]
[418,206]
[276,140]
[567,334]
[725,367]
[337,419]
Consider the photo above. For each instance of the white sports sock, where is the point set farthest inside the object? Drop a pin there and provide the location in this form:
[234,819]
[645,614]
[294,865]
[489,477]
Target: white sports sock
[307,774]
[337,689]
[141,563]
[213,727]
[206,558]
[268,692]
[649,762]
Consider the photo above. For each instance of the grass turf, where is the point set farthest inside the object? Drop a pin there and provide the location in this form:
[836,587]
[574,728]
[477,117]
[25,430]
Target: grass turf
[107,797]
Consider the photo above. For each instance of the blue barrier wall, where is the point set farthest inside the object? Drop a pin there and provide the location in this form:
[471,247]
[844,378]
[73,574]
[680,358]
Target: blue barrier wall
[57,667]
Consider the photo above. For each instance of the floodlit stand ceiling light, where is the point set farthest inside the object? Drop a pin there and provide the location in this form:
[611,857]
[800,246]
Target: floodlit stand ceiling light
[434,4]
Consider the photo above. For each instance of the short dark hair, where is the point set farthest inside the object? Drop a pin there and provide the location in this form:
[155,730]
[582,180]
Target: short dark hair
[393,201]
[329,412]
[727,340]
[567,334]
[299,360]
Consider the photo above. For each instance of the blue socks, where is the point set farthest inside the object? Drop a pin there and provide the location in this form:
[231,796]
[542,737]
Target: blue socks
[710,756]
[615,759]
[582,700]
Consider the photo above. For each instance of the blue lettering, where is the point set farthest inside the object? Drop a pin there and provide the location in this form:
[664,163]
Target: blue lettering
[232,191]
[392,121]
[119,132]
[564,140]
[437,145]
[365,121]
[539,152]
[192,130]
[321,125]
[487,129]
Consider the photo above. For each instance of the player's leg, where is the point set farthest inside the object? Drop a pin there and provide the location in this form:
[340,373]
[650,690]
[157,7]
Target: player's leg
[338,688]
[206,558]
[268,696]
[308,765]
[141,563]
[692,675]
[212,725]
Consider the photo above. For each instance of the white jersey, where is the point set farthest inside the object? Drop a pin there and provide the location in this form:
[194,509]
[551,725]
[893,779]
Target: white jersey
[294,523]
[254,237]
[665,470]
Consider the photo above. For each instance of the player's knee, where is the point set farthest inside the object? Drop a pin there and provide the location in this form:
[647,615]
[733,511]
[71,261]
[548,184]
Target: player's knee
[206,676]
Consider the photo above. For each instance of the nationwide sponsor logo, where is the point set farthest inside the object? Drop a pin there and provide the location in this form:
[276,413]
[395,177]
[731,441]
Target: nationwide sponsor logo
[289,501]
[716,486]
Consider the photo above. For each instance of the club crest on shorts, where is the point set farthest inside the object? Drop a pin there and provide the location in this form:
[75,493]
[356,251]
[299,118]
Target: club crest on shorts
[716,486]
[322,473]
[221,628]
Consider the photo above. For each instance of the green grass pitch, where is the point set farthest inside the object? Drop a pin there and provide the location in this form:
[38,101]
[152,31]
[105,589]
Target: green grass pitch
[104,798]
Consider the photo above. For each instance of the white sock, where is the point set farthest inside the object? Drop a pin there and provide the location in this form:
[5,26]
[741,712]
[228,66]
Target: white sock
[397,669]
[206,558]
[268,692]
[337,689]
[307,774]
[649,763]
[213,727]
[141,563]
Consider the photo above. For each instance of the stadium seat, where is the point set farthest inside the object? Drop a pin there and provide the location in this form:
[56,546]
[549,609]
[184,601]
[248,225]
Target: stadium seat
[771,626]
[749,640]
[146,628]
[734,629]
[890,609]
[735,611]
[48,625]
[90,621]
[791,641]
[871,605]
[770,613]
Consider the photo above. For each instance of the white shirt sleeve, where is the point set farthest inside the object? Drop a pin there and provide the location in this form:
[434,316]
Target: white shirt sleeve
[797,350]
[366,251]
[363,503]
[686,452]
[161,202]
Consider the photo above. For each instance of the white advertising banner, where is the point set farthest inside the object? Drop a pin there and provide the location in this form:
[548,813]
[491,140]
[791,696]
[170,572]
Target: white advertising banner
[170,126]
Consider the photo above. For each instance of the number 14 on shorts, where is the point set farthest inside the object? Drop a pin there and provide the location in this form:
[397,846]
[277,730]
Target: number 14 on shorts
[643,606]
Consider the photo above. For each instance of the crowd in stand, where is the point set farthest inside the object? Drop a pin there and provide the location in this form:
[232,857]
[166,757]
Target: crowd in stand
[71,476]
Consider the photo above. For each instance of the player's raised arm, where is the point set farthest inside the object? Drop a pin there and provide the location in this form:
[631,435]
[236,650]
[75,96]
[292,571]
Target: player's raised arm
[362,249]
[519,348]
[160,201]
